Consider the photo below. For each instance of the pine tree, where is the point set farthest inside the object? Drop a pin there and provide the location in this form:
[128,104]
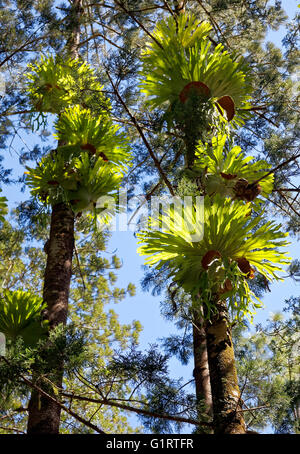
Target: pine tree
[181,74]
[92,292]
[268,366]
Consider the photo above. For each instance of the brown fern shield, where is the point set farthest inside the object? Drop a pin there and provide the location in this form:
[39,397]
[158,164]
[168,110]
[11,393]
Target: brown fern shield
[228,176]
[209,257]
[245,267]
[227,103]
[194,87]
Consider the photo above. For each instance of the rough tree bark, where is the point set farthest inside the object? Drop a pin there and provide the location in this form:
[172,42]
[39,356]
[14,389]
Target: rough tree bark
[201,368]
[228,419]
[43,414]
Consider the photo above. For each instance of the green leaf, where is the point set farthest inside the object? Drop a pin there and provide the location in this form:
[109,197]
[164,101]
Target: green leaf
[216,163]
[55,84]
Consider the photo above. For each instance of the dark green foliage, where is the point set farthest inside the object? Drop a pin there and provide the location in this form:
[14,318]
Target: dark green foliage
[148,374]
[64,344]
[268,365]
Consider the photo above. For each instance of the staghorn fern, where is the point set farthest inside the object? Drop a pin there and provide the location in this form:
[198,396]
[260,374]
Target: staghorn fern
[218,256]
[224,171]
[79,127]
[55,84]
[182,57]
[20,315]
[80,181]
[96,181]
[89,165]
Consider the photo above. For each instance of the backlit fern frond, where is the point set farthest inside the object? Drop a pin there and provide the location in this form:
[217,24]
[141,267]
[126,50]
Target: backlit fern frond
[218,255]
[183,62]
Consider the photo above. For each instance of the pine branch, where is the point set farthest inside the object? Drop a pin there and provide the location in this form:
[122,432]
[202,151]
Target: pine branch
[98,34]
[139,129]
[139,23]
[12,429]
[253,408]
[7,113]
[22,48]
[57,402]
[214,24]
[284,163]
[137,410]
[288,203]
[287,190]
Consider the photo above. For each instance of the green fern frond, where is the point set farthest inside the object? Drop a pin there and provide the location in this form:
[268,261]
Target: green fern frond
[186,57]
[80,182]
[96,180]
[20,315]
[79,127]
[223,169]
[55,84]
[227,246]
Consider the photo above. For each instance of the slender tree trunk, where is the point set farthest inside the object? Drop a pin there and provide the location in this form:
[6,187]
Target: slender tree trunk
[44,415]
[201,369]
[223,374]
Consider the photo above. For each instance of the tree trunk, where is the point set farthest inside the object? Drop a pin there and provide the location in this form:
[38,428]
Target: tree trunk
[44,415]
[201,370]
[223,376]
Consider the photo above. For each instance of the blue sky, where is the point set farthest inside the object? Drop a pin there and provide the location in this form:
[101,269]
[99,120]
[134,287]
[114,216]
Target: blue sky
[145,307]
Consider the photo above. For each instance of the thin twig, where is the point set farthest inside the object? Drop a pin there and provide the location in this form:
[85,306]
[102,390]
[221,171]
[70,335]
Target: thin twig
[98,34]
[143,137]
[251,409]
[289,204]
[78,263]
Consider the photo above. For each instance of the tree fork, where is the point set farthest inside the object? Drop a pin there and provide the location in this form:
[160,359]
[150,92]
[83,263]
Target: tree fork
[44,414]
[228,419]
